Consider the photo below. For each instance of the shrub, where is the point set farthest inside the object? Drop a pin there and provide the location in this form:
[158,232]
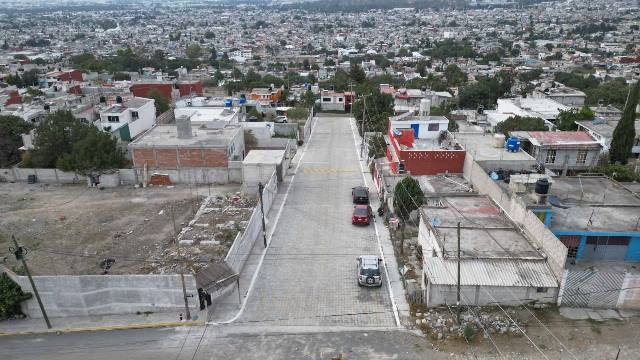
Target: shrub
[11,296]
[468,332]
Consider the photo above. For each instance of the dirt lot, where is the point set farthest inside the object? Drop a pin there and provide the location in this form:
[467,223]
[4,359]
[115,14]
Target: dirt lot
[69,229]
[583,339]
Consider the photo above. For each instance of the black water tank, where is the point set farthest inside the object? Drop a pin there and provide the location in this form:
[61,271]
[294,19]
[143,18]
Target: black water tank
[119,99]
[47,107]
[542,186]
[103,99]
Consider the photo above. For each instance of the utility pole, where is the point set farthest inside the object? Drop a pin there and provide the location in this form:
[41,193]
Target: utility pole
[458,298]
[20,252]
[364,113]
[264,228]
[180,266]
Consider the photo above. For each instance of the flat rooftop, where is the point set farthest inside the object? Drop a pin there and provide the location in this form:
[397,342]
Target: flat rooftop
[203,115]
[593,204]
[558,138]
[482,148]
[260,157]
[167,136]
[486,233]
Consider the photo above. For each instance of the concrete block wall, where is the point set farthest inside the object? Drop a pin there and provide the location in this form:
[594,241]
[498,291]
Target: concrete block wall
[535,230]
[630,295]
[488,295]
[106,294]
[289,129]
[241,248]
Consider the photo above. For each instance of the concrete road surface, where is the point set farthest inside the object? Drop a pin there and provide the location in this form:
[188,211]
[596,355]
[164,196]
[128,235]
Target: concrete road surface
[308,277]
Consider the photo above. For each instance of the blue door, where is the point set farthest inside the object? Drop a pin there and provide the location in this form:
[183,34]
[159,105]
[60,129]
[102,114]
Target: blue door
[416,130]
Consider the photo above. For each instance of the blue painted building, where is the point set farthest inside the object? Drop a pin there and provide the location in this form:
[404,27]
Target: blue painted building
[596,218]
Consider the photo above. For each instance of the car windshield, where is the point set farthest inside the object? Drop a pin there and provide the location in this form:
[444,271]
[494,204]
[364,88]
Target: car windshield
[360,212]
[370,272]
[360,192]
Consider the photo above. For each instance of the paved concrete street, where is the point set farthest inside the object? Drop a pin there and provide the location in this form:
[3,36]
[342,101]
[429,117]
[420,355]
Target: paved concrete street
[308,275]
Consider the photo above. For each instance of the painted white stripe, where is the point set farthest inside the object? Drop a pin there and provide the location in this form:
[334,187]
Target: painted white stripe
[375,226]
[273,229]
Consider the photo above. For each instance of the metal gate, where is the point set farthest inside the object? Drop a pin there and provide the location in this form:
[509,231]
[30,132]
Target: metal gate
[592,289]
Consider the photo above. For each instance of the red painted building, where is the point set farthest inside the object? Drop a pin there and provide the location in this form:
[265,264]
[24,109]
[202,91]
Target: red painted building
[423,156]
[187,88]
[10,97]
[143,89]
[66,75]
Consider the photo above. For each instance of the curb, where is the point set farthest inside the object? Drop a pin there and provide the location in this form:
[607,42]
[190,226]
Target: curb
[106,328]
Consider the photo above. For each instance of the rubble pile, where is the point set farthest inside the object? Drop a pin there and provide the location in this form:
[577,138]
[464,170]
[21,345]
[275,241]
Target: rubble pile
[209,236]
[441,325]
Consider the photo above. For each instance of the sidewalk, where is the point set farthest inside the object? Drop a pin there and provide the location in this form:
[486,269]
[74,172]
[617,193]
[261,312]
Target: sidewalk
[227,307]
[397,288]
[97,323]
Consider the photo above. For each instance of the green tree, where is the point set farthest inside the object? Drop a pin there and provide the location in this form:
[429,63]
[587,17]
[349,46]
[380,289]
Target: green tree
[454,75]
[329,62]
[306,65]
[161,102]
[377,146]
[11,295]
[297,113]
[566,120]
[95,152]
[357,74]
[11,127]
[194,51]
[520,123]
[453,126]
[625,132]
[308,99]
[421,67]
[403,52]
[255,113]
[55,136]
[407,197]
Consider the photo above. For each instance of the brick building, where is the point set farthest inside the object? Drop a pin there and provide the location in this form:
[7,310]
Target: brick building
[142,89]
[190,153]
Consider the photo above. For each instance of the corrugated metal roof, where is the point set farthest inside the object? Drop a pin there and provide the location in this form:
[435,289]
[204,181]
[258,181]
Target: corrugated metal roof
[526,273]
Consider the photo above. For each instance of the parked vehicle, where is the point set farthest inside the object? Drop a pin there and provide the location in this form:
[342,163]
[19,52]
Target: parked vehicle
[281,119]
[361,215]
[360,195]
[368,270]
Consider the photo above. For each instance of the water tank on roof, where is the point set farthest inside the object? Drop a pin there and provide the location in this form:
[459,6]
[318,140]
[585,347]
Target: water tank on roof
[425,107]
[243,99]
[498,140]
[513,144]
[119,99]
[103,99]
[228,103]
[542,186]
[47,107]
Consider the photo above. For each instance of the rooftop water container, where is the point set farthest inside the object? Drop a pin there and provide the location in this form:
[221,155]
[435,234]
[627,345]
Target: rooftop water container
[513,144]
[228,103]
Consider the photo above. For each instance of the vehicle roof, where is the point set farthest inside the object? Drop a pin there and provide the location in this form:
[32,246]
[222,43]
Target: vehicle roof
[369,261]
[361,207]
[361,188]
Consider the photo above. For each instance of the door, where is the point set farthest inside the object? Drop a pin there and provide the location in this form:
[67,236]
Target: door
[416,130]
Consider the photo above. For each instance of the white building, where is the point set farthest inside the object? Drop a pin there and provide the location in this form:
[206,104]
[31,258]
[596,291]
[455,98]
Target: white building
[543,108]
[210,116]
[129,119]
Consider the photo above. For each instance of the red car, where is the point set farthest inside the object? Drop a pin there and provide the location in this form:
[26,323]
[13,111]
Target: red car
[361,215]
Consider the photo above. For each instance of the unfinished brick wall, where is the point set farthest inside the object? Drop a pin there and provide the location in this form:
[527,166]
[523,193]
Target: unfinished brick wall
[172,158]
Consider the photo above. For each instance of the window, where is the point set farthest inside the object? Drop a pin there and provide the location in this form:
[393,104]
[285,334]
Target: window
[542,290]
[571,242]
[340,99]
[325,99]
[551,156]
[113,119]
[581,159]
[433,127]
[134,116]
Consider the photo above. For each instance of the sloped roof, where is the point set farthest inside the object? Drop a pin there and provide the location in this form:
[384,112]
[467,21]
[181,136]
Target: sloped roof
[557,138]
[499,272]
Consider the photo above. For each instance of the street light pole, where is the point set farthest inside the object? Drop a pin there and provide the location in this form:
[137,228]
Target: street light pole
[184,287]
[20,253]
[264,228]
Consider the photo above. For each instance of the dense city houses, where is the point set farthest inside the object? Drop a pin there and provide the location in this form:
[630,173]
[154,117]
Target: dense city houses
[464,169]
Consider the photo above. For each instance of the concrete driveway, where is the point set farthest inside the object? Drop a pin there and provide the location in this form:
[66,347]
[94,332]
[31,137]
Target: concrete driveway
[308,274]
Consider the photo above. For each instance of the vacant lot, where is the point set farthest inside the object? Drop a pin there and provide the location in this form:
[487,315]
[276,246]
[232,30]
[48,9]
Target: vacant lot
[70,229]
